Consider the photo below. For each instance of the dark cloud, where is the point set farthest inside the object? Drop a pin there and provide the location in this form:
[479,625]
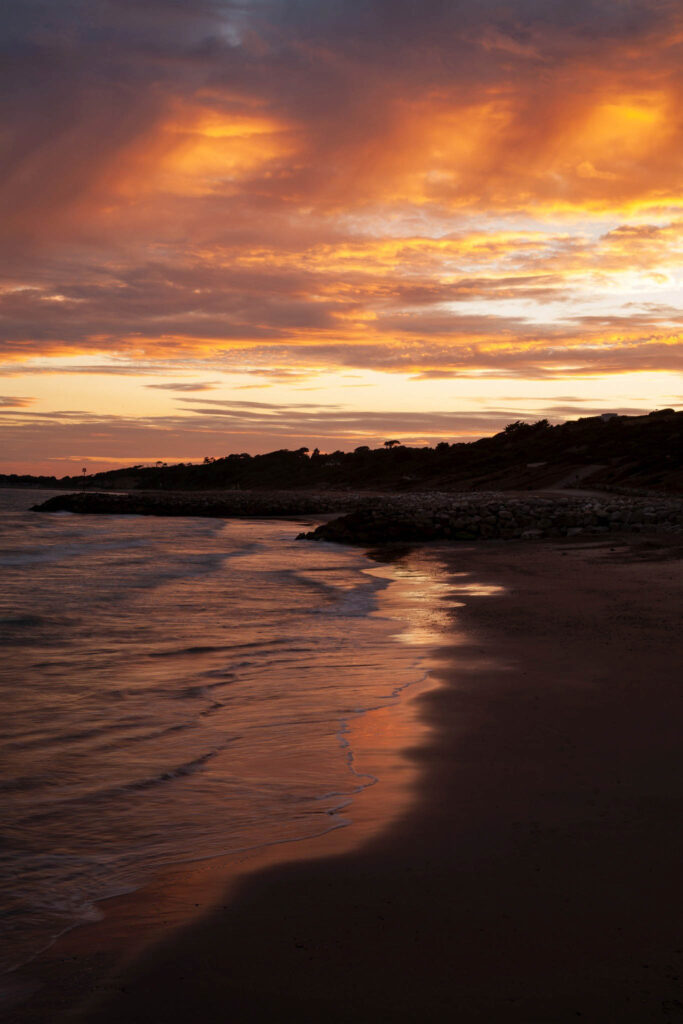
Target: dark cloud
[117,368]
[425,359]
[208,385]
[539,287]
[443,322]
[14,402]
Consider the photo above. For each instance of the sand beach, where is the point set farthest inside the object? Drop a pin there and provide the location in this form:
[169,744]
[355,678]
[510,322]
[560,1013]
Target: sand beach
[533,877]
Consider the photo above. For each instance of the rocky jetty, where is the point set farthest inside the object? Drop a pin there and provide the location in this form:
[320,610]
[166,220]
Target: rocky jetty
[379,518]
[489,516]
[219,504]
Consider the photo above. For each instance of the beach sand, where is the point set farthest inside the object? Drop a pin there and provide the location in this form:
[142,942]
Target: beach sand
[535,872]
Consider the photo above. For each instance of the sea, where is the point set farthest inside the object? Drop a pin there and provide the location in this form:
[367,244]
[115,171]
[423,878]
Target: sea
[176,689]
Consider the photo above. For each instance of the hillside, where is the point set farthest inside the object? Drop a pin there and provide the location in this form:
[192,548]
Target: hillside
[623,452]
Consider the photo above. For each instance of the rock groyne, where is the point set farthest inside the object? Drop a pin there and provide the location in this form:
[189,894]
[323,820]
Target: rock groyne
[379,518]
[498,517]
[219,504]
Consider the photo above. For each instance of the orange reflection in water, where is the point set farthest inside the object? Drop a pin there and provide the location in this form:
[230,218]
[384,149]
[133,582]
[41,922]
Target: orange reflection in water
[381,743]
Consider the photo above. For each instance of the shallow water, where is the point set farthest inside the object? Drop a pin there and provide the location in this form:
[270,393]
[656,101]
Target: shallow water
[174,689]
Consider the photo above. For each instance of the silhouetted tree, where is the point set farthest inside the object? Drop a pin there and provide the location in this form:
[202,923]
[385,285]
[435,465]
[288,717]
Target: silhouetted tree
[520,427]
[391,444]
[514,428]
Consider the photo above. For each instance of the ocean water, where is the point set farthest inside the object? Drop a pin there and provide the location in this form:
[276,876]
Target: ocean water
[175,689]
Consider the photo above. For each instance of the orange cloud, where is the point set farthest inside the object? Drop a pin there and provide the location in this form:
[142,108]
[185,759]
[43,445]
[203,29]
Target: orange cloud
[477,189]
[199,151]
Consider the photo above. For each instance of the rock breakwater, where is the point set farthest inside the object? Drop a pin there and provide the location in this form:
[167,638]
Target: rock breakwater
[219,504]
[497,516]
[379,518]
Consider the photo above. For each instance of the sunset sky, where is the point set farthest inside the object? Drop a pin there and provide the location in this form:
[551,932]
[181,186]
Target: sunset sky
[240,226]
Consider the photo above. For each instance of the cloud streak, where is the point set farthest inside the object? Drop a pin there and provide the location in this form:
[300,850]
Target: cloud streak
[187,386]
[13,402]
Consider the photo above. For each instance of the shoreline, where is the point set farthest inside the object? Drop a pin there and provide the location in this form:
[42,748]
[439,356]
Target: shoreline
[535,876]
[126,925]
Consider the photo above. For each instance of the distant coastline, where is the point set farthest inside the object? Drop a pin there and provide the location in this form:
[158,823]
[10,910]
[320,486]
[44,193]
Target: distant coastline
[614,453]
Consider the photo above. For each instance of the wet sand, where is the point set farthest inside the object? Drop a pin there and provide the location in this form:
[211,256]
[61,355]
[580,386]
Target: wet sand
[535,876]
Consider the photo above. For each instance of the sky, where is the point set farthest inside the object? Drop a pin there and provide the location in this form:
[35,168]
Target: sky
[243,225]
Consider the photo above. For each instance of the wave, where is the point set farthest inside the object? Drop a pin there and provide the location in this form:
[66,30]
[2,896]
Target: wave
[22,621]
[45,741]
[180,652]
[58,553]
[106,793]
[128,703]
[339,598]
[144,737]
